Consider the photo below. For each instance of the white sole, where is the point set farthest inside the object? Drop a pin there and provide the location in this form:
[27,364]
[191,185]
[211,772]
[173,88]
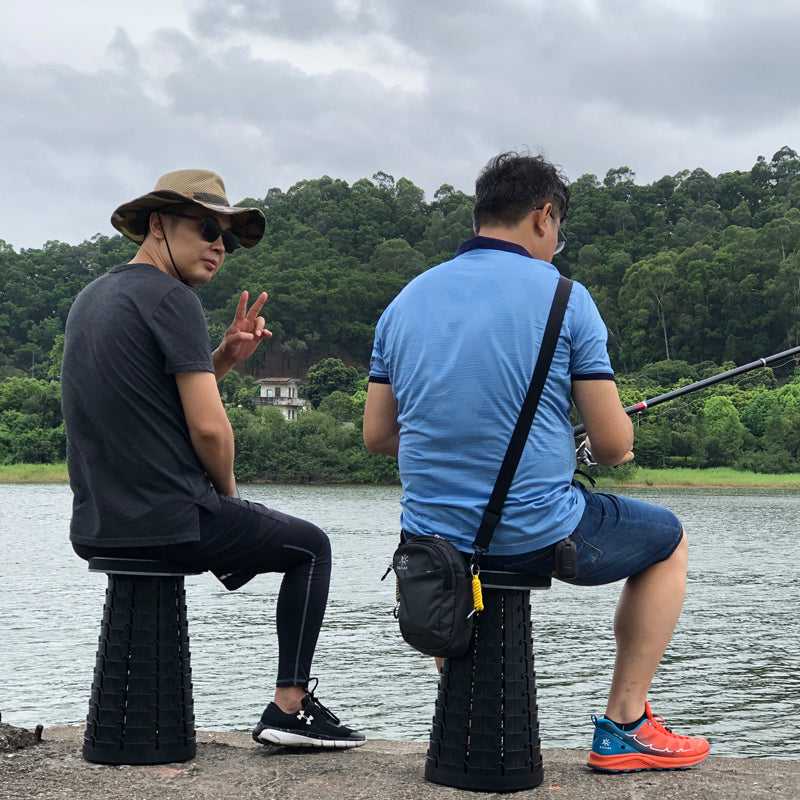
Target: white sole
[286,739]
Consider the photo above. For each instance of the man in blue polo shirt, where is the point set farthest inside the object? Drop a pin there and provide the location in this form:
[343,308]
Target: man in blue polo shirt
[451,364]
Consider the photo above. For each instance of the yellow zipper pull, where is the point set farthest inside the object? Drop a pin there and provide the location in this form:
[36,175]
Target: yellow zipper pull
[477,593]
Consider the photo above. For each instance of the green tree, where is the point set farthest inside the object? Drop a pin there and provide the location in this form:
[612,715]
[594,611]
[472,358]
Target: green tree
[340,406]
[723,432]
[396,256]
[328,376]
[648,295]
[238,390]
[31,425]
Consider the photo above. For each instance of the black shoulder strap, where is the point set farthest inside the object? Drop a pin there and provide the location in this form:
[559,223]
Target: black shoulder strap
[494,508]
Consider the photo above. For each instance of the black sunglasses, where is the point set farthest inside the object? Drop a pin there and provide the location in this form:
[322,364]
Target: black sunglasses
[212,230]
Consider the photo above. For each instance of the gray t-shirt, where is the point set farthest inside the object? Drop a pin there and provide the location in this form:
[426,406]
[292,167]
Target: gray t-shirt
[135,477]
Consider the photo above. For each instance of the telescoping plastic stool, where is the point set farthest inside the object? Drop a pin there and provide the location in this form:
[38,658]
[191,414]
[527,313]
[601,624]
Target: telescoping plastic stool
[485,732]
[141,709]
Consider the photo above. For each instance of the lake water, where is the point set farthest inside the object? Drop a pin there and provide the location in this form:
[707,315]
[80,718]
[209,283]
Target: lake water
[731,673]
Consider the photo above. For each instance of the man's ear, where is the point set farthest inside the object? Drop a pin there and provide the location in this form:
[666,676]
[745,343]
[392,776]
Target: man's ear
[156,225]
[539,219]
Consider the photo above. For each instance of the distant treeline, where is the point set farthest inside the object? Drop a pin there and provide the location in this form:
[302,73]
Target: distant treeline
[691,273]
[752,424]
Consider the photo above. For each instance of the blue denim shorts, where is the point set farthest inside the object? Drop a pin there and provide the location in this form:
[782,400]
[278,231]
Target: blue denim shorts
[616,538]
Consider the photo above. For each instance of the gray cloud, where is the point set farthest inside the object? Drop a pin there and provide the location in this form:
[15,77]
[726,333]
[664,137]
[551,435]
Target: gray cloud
[595,85]
[123,54]
[300,20]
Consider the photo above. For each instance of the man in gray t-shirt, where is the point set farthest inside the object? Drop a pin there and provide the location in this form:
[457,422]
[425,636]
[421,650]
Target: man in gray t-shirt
[149,445]
[132,337]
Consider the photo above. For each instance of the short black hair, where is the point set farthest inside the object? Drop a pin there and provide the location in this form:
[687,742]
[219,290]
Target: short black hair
[511,185]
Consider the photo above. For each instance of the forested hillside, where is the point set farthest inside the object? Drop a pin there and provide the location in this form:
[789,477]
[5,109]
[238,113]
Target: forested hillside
[690,267]
[693,270]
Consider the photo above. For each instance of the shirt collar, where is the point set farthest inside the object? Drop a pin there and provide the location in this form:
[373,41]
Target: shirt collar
[487,243]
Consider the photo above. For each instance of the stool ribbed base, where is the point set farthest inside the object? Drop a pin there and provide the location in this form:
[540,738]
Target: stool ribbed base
[485,734]
[141,709]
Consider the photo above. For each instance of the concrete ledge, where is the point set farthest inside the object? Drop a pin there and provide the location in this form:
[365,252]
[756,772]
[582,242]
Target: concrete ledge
[230,766]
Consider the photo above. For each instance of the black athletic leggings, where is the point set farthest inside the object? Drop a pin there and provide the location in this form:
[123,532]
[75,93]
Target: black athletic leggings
[244,539]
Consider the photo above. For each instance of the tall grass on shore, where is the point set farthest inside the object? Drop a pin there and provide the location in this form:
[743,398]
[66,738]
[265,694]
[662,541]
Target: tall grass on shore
[721,477]
[34,473]
[700,478]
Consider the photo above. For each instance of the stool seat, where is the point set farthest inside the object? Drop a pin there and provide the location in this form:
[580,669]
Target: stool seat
[500,579]
[485,732]
[141,709]
[138,566]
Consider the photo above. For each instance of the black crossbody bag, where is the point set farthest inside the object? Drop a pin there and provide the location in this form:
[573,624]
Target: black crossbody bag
[438,590]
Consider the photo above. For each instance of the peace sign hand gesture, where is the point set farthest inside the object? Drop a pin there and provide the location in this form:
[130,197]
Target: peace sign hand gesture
[243,336]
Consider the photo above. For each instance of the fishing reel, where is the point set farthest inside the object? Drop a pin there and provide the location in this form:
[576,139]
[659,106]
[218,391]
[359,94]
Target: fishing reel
[583,455]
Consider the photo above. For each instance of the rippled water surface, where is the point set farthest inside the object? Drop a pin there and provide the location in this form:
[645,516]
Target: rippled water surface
[732,671]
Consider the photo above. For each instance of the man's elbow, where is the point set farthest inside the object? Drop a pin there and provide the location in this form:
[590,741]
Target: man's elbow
[385,445]
[609,457]
[375,445]
[211,435]
[611,453]
[369,442]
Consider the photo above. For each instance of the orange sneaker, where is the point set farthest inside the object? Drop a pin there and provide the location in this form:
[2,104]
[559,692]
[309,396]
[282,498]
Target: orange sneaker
[651,745]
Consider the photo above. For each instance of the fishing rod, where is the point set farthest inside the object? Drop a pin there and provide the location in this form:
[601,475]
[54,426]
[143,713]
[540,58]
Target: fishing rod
[578,430]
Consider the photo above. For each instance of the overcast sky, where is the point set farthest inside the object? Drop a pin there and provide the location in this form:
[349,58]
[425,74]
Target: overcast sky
[100,97]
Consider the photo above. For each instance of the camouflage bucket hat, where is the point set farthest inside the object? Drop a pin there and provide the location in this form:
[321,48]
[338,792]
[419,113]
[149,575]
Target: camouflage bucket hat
[194,186]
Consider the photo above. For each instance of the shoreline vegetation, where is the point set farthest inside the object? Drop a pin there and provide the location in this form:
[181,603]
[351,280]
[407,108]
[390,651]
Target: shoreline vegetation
[693,274]
[712,478]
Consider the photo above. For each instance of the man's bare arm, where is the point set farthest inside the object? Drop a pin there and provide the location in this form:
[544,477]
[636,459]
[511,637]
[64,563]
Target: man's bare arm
[209,428]
[608,427]
[381,429]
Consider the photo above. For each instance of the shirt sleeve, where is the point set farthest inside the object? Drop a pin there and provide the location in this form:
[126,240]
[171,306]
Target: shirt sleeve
[180,328]
[378,371]
[589,359]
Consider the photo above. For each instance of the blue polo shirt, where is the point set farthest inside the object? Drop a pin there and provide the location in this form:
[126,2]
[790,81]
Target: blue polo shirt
[458,346]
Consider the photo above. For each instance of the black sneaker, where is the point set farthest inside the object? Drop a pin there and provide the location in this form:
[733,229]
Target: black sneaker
[312,726]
